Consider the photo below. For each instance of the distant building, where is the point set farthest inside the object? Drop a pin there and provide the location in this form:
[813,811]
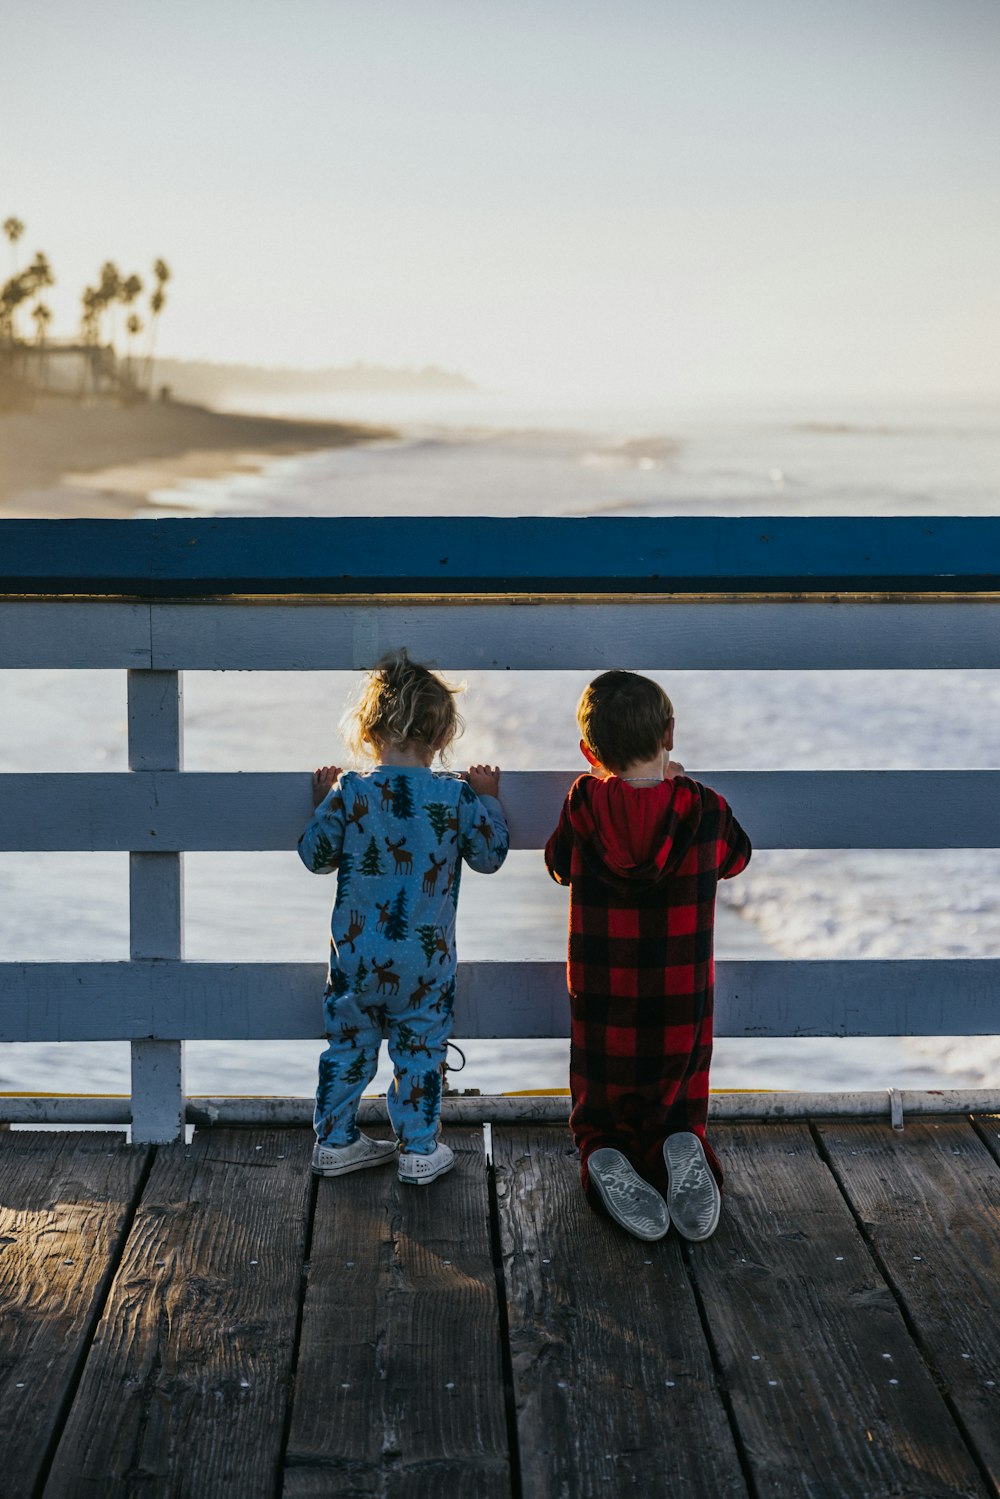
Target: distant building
[66,368]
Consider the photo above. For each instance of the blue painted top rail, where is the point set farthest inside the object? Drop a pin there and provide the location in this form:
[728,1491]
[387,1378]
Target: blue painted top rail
[439,555]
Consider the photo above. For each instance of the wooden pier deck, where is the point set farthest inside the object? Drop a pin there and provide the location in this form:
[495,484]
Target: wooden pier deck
[208,1320]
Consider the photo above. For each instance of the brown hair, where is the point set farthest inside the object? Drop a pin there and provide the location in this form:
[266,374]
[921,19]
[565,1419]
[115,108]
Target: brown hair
[402,703]
[623,718]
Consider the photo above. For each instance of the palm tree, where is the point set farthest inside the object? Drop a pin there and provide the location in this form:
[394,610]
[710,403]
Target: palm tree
[108,292]
[157,301]
[40,272]
[42,316]
[20,286]
[89,333]
[13,228]
[132,327]
[12,294]
[90,318]
[130,289]
[37,277]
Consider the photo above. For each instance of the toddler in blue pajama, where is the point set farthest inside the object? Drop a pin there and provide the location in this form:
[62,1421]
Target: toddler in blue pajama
[397,837]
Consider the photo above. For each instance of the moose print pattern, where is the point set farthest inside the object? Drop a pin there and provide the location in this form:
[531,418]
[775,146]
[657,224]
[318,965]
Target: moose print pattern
[397,839]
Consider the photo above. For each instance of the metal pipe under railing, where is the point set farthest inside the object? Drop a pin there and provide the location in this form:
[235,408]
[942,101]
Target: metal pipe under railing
[891,1104]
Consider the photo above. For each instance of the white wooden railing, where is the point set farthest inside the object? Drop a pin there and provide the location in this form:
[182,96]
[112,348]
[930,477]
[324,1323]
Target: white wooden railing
[69,611]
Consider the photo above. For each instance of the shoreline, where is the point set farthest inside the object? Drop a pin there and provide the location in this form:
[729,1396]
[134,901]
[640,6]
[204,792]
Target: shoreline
[65,460]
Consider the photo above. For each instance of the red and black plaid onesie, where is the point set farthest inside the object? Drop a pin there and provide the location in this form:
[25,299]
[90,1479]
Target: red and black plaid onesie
[642,864]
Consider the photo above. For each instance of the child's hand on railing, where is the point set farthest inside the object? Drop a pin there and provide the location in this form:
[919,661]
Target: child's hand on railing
[484,779]
[323,780]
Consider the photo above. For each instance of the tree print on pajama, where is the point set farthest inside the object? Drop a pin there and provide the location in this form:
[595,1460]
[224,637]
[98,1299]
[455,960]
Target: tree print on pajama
[397,839]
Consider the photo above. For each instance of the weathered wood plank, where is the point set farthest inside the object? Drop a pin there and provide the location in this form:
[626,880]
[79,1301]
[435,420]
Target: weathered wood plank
[186,1387]
[76,556]
[74,635]
[612,1374]
[151,811]
[281,1001]
[646,635]
[398,1389]
[155,720]
[987,1127]
[157,1084]
[156,902]
[929,1202]
[65,1201]
[187,557]
[802,1323]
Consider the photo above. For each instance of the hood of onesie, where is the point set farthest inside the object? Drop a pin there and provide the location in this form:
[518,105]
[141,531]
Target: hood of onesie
[634,835]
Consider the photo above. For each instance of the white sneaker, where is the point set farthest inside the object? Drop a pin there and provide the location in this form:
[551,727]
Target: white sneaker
[418,1170]
[336,1160]
[693,1196]
[632,1202]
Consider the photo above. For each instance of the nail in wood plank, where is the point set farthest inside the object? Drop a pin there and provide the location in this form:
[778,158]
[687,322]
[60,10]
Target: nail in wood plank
[929,1200]
[188,1380]
[802,1321]
[398,1387]
[612,1373]
[64,1204]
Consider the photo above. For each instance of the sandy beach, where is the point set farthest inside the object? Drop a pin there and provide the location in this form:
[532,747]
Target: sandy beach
[62,459]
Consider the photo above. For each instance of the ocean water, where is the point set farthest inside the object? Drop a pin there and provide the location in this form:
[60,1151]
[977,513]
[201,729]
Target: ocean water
[481,455]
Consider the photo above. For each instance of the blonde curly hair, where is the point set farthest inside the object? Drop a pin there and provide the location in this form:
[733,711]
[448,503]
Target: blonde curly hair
[402,704]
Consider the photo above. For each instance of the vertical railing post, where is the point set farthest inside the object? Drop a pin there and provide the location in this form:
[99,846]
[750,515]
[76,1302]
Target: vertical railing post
[156,899]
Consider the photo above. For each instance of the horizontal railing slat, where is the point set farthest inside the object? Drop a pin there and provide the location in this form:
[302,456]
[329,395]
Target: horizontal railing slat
[70,635]
[282,1001]
[658,635]
[191,558]
[165,812]
[653,636]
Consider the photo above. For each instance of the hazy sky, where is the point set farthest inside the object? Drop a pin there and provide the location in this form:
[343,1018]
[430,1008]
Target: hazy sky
[638,199]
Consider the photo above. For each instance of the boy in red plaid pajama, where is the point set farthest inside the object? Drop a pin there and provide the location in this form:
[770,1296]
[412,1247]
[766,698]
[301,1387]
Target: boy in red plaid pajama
[642,847]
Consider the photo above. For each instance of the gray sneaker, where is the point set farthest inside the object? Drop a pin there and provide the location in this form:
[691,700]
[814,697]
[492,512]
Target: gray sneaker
[632,1202]
[421,1170]
[693,1195]
[337,1160]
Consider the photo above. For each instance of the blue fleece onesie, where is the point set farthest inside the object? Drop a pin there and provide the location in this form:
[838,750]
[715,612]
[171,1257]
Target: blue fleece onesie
[397,839]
